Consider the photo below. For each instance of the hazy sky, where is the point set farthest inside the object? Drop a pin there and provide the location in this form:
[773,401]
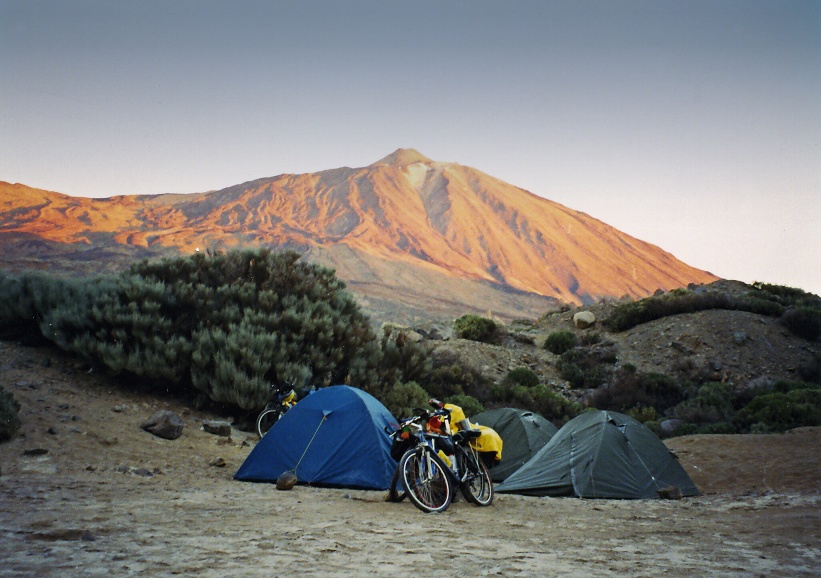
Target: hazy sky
[694,125]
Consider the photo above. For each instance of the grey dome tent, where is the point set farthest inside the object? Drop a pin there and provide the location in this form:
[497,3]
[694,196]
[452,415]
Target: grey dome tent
[523,432]
[601,454]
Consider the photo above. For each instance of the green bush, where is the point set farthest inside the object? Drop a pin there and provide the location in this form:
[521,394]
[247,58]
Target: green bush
[476,328]
[712,403]
[451,376]
[633,389]
[402,398]
[779,412]
[560,341]
[9,416]
[628,315]
[523,376]
[540,399]
[469,404]
[805,322]
[586,368]
[227,325]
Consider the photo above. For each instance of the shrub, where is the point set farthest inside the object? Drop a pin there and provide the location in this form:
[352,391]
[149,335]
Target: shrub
[628,315]
[227,325]
[469,404]
[634,389]
[560,341]
[452,376]
[476,328]
[712,403]
[779,412]
[523,376]
[805,322]
[586,368]
[540,399]
[9,417]
[402,398]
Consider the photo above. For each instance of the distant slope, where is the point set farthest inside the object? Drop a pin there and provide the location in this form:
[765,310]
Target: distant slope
[404,228]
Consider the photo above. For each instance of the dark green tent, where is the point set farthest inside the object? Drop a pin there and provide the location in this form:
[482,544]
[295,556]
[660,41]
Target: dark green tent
[523,434]
[601,454]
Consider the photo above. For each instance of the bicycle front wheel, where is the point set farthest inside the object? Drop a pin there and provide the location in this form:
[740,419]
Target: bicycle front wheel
[477,487]
[426,481]
[266,420]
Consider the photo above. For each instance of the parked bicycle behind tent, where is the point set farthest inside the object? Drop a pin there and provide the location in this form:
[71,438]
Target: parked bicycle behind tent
[283,398]
[434,462]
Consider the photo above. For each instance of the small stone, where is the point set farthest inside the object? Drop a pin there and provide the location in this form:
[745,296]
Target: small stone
[220,428]
[35,452]
[217,463]
[143,473]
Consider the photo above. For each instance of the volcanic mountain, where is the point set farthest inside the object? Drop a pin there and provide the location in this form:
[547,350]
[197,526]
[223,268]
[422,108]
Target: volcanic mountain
[405,231]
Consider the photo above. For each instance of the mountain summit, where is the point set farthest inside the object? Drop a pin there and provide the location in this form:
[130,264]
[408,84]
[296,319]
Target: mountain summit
[403,230]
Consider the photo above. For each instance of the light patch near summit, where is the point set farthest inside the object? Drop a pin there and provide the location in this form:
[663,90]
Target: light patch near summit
[417,173]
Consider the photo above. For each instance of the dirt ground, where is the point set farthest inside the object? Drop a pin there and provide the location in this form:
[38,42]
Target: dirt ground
[85,492]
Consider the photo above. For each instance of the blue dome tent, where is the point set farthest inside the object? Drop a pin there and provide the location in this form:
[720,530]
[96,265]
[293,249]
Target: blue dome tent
[334,437]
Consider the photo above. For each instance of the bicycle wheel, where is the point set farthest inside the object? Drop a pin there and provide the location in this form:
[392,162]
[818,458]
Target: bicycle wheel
[266,419]
[426,481]
[477,486]
[397,492]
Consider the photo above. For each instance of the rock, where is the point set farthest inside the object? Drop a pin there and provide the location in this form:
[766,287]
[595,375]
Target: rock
[220,428]
[739,337]
[670,493]
[165,424]
[584,319]
[143,472]
[286,481]
[669,426]
[217,463]
[35,452]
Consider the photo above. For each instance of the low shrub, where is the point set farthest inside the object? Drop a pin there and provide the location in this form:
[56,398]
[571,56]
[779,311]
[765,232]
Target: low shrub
[476,328]
[628,315]
[805,322]
[523,376]
[540,399]
[9,415]
[588,367]
[712,403]
[560,341]
[469,404]
[633,389]
[402,398]
[779,412]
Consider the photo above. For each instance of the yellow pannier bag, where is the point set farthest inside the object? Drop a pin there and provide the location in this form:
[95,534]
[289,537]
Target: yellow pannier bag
[489,443]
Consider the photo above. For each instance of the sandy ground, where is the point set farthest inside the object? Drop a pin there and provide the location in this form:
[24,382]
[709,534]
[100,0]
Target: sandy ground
[85,492]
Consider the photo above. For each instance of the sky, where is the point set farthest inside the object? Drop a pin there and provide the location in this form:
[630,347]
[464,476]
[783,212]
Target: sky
[694,125]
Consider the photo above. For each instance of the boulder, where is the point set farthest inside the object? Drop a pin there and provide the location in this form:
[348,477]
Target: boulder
[165,424]
[220,428]
[584,319]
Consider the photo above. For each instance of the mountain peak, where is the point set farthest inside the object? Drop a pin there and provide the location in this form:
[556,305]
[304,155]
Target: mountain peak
[403,157]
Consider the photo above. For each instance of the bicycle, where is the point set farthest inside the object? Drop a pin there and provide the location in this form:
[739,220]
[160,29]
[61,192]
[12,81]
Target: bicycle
[437,462]
[283,398]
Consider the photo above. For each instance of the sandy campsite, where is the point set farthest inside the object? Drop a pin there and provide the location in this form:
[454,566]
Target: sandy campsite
[85,492]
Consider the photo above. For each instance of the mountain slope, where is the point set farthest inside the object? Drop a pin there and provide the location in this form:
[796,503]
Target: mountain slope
[404,223]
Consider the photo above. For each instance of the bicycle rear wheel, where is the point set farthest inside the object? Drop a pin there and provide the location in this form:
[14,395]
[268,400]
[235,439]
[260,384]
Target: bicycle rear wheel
[477,487]
[266,420]
[426,481]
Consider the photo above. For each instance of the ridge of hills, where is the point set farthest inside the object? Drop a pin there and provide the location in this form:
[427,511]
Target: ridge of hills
[412,237]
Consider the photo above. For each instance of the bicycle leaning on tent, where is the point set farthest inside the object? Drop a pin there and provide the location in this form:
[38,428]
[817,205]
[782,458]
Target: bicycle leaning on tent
[283,398]
[437,462]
